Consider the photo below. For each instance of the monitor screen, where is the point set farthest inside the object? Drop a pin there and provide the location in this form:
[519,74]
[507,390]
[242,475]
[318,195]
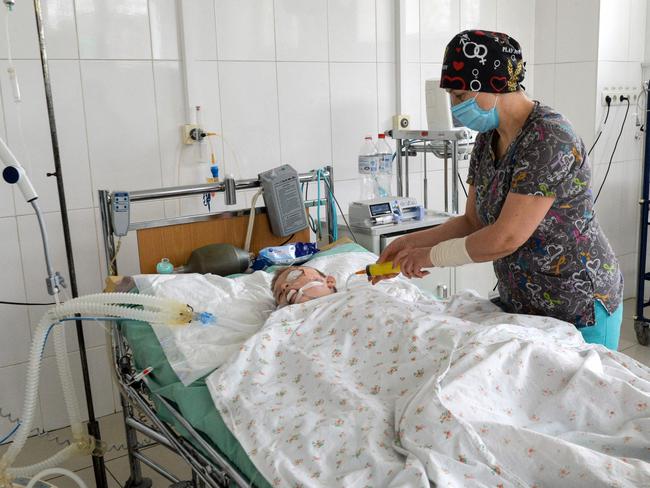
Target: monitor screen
[380,209]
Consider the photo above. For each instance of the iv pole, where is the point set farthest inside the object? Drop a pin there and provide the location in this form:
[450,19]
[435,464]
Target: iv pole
[93,425]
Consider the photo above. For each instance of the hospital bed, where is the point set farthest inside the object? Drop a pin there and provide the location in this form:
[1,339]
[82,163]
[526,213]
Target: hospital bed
[161,409]
[459,345]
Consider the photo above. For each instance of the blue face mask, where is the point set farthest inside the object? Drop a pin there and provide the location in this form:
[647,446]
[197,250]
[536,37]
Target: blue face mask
[470,115]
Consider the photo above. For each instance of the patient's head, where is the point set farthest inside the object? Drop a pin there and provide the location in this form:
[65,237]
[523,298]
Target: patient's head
[299,284]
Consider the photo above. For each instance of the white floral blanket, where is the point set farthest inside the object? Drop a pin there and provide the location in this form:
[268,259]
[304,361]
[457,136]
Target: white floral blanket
[364,389]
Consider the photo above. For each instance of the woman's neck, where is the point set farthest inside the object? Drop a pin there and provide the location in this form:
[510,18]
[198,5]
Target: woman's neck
[514,110]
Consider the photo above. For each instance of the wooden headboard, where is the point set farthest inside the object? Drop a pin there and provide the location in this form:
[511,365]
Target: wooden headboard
[176,242]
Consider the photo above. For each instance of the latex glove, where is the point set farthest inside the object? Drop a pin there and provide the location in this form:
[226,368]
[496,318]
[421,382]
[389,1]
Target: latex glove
[412,261]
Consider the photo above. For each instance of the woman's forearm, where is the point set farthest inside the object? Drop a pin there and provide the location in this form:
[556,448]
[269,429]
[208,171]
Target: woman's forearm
[489,244]
[459,226]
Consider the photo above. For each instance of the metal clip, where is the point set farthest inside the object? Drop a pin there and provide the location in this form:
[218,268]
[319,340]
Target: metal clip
[140,375]
[100,448]
[54,283]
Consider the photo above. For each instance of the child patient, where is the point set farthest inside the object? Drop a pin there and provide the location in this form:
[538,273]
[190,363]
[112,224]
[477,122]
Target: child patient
[299,284]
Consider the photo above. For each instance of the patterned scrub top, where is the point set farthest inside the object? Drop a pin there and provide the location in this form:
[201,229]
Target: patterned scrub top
[567,263]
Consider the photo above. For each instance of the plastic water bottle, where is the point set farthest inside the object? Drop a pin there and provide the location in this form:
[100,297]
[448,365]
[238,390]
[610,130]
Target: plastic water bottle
[368,167]
[385,171]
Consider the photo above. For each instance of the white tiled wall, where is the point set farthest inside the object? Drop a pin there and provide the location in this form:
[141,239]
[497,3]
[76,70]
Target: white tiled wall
[283,81]
[603,49]
[621,48]
[288,81]
[438,22]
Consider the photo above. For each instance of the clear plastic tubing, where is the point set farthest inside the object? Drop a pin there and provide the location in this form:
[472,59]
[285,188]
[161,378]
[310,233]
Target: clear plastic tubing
[156,310]
[60,471]
[67,383]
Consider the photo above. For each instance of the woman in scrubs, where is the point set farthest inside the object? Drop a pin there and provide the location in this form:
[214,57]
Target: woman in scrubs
[530,203]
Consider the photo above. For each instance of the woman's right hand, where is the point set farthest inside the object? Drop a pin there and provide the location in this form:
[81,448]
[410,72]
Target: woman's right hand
[389,254]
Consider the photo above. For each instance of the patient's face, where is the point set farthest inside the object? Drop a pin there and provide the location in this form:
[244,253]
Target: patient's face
[299,284]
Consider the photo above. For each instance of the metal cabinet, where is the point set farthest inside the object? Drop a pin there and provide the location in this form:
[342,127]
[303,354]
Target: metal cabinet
[442,282]
[478,276]
[439,281]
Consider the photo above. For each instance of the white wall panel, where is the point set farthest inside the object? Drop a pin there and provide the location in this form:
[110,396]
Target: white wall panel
[305,124]
[301,30]
[354,113]
[117,29]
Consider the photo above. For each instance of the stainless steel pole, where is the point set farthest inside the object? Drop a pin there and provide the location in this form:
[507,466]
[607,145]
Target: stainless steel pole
[407,147]
[454,177]
[446,177]
[93,425]
[330,204]
[398,167]
[426,181]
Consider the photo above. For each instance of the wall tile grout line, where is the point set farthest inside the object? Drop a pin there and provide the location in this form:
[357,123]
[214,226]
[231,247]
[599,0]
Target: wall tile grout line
[216,48]
[155,100]
[329,87]
[76,351]
[377,62]
[277,81]
[87,138]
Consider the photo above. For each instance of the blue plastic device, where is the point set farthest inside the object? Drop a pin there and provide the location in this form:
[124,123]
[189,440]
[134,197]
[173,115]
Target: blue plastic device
[164,267]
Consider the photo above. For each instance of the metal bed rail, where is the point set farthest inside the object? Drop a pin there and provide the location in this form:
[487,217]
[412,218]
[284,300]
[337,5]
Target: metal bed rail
[105,199]
[209,467]
[215,472]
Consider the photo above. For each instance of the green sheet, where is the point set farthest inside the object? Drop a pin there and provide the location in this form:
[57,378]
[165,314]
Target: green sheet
[194,401]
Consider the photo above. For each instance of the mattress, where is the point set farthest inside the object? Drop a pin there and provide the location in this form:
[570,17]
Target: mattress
[194,401]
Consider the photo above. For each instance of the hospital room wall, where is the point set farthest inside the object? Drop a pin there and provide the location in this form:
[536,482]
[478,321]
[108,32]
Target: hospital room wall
[22,256]
[621,50]
[284,81]
[429,26]
[574,61]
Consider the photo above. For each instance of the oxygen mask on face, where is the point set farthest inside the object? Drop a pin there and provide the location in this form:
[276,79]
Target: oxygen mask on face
[295,296]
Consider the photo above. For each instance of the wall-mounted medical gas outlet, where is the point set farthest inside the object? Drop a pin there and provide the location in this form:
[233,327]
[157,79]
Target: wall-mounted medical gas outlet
[192,133]
[616,92]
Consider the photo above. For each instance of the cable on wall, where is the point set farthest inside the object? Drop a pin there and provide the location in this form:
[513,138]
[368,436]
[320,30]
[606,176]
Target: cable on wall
[611,158]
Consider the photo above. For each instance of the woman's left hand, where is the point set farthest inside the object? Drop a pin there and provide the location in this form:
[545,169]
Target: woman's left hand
[413,260]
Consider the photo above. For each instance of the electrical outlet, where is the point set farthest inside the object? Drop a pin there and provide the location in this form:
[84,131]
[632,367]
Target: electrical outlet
[186,133]
[616,92]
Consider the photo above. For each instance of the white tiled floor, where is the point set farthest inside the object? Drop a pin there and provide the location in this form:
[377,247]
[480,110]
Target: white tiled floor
[117,465]
[628,343]
[112,429]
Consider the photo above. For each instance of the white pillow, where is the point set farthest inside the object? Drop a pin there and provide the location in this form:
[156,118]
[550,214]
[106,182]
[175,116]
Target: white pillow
[241,305]
[246,298]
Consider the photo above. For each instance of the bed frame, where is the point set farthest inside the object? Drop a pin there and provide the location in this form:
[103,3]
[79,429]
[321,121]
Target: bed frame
[175,238]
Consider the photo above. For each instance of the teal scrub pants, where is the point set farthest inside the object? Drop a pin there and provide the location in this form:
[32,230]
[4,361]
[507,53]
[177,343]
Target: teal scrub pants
[607,329]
